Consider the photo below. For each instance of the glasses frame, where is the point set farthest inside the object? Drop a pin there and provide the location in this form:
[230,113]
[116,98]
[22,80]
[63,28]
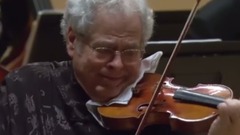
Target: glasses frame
[114,52]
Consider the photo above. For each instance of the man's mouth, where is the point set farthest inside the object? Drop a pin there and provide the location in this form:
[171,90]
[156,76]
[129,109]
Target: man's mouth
[112,80]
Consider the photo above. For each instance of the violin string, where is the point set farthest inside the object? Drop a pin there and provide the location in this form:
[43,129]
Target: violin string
[176,49]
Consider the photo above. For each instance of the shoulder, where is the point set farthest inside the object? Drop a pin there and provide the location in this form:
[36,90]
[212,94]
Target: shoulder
[41,70]
[34,79]
[35,75]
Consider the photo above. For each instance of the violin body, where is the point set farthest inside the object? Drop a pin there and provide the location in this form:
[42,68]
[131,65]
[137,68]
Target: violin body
[188,117]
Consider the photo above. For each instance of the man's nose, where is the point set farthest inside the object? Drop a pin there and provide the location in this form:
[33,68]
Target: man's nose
[116,61]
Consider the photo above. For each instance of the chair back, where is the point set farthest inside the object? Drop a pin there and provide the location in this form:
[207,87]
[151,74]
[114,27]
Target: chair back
[45,42]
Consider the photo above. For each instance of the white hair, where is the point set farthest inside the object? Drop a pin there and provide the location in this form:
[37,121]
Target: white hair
[79,14]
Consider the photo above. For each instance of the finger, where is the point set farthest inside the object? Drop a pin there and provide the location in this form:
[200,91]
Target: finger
[230,110]
[223,113]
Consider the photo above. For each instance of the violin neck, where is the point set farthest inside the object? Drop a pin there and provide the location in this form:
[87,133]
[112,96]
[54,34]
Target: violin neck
[193,97]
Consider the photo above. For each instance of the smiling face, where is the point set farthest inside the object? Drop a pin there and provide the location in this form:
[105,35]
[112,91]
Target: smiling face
[104,80]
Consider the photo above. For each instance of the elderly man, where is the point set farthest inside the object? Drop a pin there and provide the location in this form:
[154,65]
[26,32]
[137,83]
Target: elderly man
[106,40]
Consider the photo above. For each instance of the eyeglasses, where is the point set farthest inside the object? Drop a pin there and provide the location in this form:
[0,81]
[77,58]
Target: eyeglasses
[128,56]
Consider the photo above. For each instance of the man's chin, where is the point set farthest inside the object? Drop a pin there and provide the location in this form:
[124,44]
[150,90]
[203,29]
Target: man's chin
[111,91]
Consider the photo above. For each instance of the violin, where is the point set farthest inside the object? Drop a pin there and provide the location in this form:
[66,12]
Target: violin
[188,110]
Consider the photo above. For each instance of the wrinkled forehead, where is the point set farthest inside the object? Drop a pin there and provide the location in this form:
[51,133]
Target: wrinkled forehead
[120,25]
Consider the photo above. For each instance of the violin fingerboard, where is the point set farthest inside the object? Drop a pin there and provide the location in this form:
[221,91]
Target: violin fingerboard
[193,97]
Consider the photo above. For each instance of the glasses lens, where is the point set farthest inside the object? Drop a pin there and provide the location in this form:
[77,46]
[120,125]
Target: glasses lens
[103,53]
[131,55]
[128,56]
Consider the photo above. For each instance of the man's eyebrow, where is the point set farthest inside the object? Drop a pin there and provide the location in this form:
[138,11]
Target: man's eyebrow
[106,43]
[112,44]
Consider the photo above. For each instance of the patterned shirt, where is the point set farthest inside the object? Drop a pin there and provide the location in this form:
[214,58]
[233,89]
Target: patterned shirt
[45,99]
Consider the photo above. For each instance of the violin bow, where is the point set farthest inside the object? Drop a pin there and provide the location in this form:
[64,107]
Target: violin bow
[166,69]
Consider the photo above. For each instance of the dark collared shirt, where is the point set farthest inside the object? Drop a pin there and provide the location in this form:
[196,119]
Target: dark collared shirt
[45,99]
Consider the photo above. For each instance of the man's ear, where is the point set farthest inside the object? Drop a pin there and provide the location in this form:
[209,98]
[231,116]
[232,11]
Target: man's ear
[71,41]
